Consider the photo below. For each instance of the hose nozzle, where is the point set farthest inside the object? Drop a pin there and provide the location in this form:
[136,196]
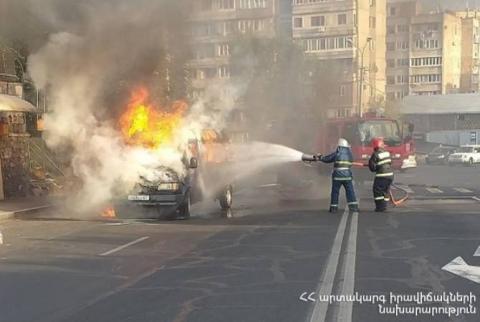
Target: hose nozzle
[309,158]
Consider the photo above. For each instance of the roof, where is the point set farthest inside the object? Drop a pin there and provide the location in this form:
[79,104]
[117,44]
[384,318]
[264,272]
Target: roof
[10,103]
[442,104]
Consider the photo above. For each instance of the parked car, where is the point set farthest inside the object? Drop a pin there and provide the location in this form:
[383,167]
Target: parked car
[466,155]
[440,154]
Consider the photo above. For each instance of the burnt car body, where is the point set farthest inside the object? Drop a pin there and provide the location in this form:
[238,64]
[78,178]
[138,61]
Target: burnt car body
[440,155]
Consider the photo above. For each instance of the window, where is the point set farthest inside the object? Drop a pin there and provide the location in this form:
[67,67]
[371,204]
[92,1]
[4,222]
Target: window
[430,78]
[327,43]
[402,62]
[391,63]
[427,44]
[342,90]
[402,45]
[317,21]
[426,61]
[390,46]
[402,79]
[342,19]
[253,4]
[223,4]
[223,72]
[298,22]
[393,11]
[390,80]
[390,30]
[223,50]
[402,28]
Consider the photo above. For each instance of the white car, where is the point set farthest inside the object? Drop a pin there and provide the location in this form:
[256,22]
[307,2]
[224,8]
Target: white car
[467,155]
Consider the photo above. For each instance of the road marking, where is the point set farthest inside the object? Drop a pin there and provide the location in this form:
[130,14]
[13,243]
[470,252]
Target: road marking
[346,308]
[325,285]
[268,185]
[460,268]
[476,199]
[477,253]
[407,189]
[462,190]
[119,248]
[434,190]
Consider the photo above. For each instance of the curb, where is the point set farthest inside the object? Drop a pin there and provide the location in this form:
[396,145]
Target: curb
[4,215]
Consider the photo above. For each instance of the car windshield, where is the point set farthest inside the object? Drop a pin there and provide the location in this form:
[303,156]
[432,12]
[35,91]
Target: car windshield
[466,149]
[386,129]
[441,150]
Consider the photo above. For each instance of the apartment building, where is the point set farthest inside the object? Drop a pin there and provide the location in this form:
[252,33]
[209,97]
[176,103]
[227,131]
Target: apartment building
[429,53]
[349,34]
[216,23]
[470,75]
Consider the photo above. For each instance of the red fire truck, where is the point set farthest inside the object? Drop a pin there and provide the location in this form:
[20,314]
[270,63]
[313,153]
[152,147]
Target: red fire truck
[359,131]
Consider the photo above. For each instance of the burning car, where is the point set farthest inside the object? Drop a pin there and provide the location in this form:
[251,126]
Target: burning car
[167,191]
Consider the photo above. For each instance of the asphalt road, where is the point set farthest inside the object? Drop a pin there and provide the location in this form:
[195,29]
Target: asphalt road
[271,261]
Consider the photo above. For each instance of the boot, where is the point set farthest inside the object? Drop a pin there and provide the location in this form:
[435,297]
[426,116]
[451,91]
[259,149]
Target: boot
[354,208]
[333,210]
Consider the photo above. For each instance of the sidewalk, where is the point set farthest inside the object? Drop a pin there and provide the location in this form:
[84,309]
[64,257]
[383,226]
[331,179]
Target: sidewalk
[13,207]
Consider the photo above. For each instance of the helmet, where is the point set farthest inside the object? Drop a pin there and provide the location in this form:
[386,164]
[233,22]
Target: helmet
[377,143]
[343,143]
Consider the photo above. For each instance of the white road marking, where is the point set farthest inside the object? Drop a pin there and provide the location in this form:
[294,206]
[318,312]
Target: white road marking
[119,248]
[325,285]
[346,308]
[476,199]
[462,190]
[268,185]
[460,268]
[406,188]
[434,190]
[477,253]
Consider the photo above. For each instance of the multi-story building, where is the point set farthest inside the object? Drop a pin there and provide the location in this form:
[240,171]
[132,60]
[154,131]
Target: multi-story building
[429,53]
[216,23]
[349,34]
[470,77]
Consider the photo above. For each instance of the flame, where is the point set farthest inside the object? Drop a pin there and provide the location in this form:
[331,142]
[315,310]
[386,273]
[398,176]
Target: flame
[146,125]
[109,213]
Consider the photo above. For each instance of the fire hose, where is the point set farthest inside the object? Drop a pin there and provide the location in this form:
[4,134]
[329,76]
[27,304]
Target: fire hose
[395,202]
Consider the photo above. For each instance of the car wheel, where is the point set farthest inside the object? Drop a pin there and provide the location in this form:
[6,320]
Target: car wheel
[226,198]
[185,208]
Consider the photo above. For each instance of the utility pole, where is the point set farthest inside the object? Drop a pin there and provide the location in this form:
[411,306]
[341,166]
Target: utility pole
[362,70]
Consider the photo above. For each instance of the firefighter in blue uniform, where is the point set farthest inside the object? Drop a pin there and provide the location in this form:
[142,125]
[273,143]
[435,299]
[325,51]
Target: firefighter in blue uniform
[381,163]
[342,175]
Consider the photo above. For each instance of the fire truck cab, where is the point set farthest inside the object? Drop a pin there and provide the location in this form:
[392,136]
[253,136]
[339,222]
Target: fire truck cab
[359,131]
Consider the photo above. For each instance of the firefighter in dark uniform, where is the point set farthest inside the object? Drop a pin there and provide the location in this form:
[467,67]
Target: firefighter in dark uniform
[381,163]
[342,175]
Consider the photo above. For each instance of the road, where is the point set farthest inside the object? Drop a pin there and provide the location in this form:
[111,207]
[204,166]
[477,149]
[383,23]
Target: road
[271,261]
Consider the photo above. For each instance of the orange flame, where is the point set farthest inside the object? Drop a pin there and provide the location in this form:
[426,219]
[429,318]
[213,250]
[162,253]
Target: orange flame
[145,125]
[109,213]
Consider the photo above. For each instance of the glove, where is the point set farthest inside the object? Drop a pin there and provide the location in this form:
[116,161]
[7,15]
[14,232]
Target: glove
[318,156]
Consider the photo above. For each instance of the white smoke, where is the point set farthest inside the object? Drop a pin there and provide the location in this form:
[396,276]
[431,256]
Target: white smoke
[78,66]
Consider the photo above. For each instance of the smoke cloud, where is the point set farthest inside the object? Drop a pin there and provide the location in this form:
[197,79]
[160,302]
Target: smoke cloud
[99,52]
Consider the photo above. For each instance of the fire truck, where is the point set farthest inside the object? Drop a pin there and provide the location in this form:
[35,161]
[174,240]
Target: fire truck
[359,131]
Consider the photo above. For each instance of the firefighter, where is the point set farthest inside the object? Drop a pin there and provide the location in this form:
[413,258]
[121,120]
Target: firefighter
[381,163]
[342,175]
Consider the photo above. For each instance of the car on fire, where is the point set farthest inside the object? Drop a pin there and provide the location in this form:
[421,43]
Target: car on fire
[166,193]
[466,155]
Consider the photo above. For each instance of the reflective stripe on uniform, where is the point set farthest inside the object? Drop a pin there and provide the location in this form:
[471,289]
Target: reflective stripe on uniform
[344,162]
[384,162]
[384,155]
[387,199]
[335,206]
[342,169]
[342,179]
[380,198]
[353,203]
[384,174]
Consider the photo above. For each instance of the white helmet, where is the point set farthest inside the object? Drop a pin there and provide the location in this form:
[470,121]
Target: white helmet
[343,143]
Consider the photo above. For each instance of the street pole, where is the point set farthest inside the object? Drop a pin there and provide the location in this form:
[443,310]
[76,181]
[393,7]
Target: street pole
[362,69]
